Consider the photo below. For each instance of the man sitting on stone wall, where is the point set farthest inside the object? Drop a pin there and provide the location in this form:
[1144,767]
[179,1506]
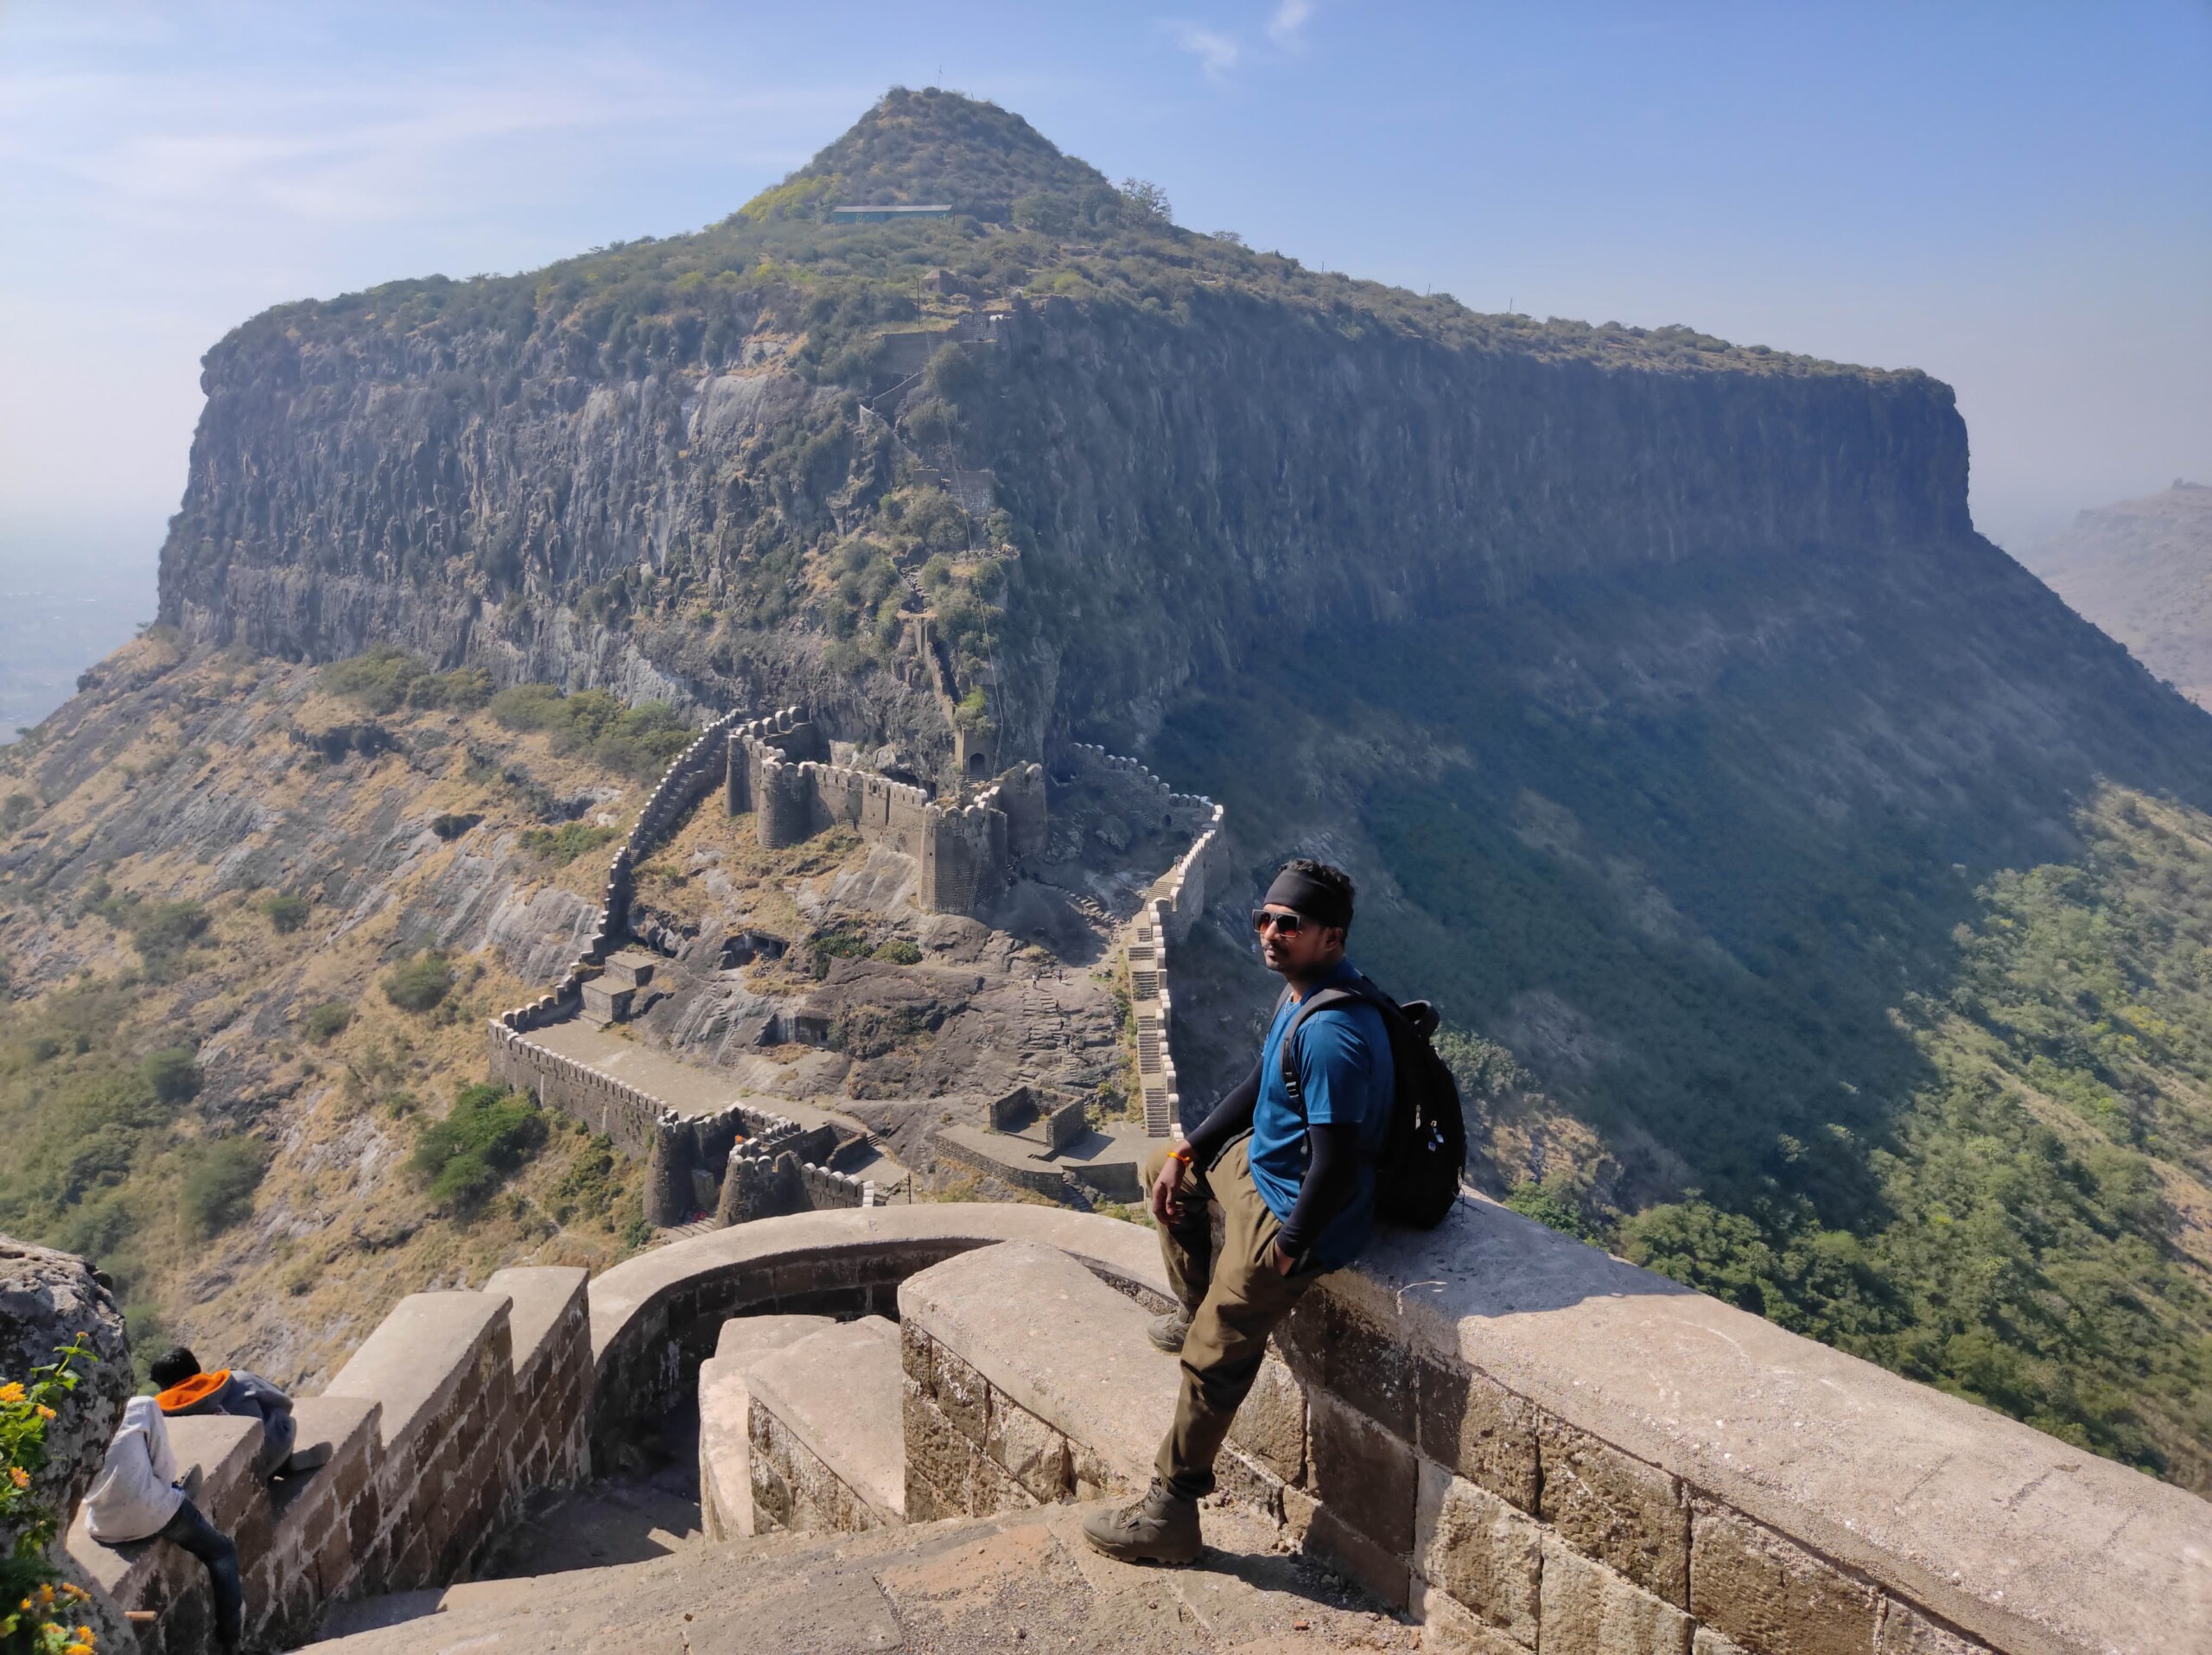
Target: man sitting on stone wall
[139,1496]
[1294,1177]
[185,1389]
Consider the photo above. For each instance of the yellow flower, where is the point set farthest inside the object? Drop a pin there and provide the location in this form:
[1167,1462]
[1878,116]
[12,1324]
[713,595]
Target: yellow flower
[72,1592]
[85,1635]
[80,1647]
[22,1477]
[11,1391]
[44,1412]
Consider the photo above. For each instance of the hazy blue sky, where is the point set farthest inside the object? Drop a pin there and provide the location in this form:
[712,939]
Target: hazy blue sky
[2015,197]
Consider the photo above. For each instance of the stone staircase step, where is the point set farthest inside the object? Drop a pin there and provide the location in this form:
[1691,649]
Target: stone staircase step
[827,1442]
[1022,1580]
[726,1417]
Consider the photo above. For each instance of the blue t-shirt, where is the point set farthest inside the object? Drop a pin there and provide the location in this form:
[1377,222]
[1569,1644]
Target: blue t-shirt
[1346,1076]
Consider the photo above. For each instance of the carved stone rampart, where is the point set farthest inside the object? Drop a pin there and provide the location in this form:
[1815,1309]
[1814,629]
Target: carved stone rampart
[450,1415]
[1528,1444]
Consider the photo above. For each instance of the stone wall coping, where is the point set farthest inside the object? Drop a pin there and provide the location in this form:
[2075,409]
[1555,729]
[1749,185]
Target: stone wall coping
[2025,1540]
[415,1359]
[836,1391]
[632,1288]
[335,1420]
[539,1299]
[745,1339]
[1057,1340]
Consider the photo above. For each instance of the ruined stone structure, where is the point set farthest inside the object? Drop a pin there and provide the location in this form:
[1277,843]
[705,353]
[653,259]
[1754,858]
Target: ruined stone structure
[780,770]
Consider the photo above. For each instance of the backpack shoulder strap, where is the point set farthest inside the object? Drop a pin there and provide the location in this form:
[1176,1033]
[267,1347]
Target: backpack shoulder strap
[1321,1000]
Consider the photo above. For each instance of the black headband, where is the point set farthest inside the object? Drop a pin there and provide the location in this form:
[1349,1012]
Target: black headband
[1322,904]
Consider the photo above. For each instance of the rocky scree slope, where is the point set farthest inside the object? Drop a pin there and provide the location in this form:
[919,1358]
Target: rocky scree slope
[1741,806]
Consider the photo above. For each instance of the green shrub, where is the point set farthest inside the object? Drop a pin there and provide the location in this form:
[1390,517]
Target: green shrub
[485,1139]
[635,741]
[563,844]
[419,982]
[218,1185]
[174,1075]
[15,811]
[899,951]
[450,826]
[286,911]
[844,940]
[385,679]
[326,1022]
[162,931]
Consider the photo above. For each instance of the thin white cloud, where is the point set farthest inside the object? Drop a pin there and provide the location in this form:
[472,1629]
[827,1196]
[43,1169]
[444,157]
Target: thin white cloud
[1217,53]
[1286,29]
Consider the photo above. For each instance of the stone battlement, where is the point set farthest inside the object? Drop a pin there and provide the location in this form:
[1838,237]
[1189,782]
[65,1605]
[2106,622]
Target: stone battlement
[777,770]
[455,1409]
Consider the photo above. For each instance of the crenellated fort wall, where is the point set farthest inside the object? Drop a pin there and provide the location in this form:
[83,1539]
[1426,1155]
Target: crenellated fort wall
[778,771]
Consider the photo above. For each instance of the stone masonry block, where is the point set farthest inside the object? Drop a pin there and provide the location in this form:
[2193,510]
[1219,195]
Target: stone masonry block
[1770,1594]
[1705,1641]
[1238,1478]
[1905,1631]
[938,1455]
[961,1394]
[1363,1472]
[1468,1422]
[1615,1508]
[1384,1573]
[914,1349]
[1030,1451]
[1271,1425]
[1587,1609]
[1483,1551]
[1447,1627]
[1368,1368]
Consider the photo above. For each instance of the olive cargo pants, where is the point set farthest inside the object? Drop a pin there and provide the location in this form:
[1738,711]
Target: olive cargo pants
[1235,1300]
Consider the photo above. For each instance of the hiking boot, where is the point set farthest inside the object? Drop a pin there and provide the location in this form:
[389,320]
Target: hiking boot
[1158,1529]
[1167,1333]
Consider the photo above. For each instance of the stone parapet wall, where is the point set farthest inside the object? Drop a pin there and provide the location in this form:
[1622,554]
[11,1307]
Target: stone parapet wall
[1144,949]
[657,1317]
[1537,1447]
[1533,1446]
[622,1113]
[688,778]
[455,1409]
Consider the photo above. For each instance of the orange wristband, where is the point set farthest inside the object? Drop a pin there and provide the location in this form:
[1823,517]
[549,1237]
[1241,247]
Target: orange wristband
[1182,1154]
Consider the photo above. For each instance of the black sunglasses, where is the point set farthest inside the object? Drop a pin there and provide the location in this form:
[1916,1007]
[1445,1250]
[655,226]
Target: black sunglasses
[1288,924]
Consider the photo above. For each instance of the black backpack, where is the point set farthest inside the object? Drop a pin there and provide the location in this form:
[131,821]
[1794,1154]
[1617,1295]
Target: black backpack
[1417,1170]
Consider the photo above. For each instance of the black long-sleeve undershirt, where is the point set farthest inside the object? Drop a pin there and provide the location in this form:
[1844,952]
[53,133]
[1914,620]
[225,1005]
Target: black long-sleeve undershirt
[1331,1162]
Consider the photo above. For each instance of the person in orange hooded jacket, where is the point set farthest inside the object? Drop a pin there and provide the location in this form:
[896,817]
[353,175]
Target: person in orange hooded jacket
[186,1389]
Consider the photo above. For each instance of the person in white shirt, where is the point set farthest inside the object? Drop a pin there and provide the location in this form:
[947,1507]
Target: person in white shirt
[139,1496]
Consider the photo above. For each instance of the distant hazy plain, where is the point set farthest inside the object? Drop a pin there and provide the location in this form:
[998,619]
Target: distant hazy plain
[68,595]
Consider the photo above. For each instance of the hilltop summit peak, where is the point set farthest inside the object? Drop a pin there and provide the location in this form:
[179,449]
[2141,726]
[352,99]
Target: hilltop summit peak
[932,145]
